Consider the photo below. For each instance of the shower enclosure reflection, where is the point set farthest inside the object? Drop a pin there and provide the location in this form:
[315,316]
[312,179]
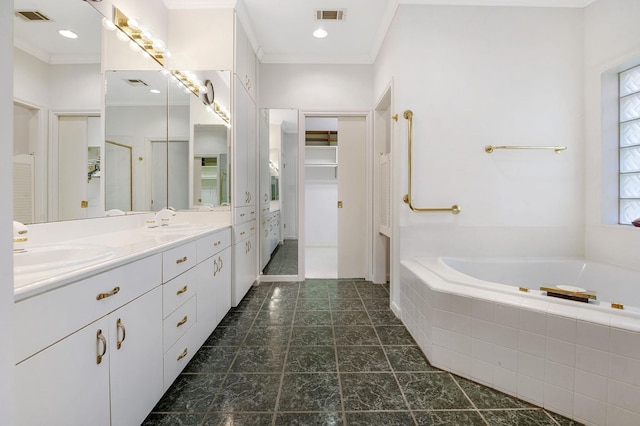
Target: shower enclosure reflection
[279,192]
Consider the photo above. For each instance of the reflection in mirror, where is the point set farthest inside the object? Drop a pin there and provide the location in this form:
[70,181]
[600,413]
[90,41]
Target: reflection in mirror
[57,86]
[278,135]
[136,127]
[210,139]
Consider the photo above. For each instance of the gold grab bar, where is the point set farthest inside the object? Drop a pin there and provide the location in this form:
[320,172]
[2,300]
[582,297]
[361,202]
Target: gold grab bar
[490,148]
[455,209]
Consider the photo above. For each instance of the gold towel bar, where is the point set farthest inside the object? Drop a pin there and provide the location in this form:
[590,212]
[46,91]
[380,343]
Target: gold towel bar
[489,148]
[455,209]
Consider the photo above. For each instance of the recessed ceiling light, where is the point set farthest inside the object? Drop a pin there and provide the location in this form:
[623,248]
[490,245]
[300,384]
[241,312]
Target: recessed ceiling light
[154,91]
[320,33]
[67,34]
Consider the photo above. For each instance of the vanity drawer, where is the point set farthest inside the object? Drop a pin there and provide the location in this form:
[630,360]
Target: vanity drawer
[178,356]
[244,214]
[212,244]
[177,260]
[178,323]
[67,309]
[177,291]
[244,231]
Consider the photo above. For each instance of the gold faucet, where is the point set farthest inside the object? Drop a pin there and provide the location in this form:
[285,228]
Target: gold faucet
[19,236]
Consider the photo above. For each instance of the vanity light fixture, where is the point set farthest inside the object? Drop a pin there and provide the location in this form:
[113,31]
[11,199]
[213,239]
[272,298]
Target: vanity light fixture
[188,80]
[155,91]
[320,33]
[68,34]
[133,30]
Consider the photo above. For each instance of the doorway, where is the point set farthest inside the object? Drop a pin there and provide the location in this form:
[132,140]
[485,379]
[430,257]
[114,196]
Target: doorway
[336,215]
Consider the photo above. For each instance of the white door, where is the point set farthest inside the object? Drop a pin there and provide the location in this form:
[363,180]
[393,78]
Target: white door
[352,210]
[72,168]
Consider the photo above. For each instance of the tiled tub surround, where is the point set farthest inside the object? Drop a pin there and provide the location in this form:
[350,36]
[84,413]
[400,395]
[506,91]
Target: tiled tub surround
[327,352]
[564,356]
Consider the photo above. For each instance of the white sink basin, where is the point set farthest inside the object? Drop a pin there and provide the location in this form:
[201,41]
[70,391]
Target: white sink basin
[43,258]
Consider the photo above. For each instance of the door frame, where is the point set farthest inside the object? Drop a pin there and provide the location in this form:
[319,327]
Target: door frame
[367,114]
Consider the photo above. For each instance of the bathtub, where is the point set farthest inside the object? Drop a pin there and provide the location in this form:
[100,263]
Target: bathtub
[472,317]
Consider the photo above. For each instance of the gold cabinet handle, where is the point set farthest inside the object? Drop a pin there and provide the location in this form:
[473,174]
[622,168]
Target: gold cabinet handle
[182,322]
[242,233]
[120,326]
[252,228]
[217,243]
[182,290]
[216,267]
[220,263]
[183,354]
[109,294]
[179,261]
[100,339]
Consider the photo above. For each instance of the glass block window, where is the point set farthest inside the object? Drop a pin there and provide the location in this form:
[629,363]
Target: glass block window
[629,137]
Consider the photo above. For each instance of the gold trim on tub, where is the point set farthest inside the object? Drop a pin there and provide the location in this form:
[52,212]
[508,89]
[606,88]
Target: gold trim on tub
[455,209]
[490,148]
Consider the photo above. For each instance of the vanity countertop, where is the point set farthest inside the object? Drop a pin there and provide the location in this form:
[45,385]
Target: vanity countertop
[125,246]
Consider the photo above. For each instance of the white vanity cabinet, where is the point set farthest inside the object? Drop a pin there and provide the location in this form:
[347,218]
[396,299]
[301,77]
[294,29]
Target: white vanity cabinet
[90,352]
[196,295]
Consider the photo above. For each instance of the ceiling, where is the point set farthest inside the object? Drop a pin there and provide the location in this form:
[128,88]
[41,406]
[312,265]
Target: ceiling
[280,30]
[41,38]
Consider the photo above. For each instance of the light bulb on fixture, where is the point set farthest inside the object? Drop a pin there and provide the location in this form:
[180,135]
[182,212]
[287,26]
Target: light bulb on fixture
[159,45]
[133,46]
[122,36]
[133,23]
[108,25]
[320,33]
[154,91]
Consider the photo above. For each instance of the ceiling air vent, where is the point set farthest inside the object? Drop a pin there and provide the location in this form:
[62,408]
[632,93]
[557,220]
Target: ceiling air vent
[32,15]
[136,82]
[331,15]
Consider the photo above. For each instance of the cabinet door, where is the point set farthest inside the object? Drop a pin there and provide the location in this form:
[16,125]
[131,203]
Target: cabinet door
[65,384]
[245,268]
[136,363]
[214,292]
[252,141]
[223,284]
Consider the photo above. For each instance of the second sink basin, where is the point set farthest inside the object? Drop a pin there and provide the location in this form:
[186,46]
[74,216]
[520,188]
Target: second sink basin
[43,258]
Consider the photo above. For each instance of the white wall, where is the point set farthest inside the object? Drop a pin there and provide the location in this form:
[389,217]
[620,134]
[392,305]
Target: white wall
[477,76]
[317,87]
[612,43]
[7,410]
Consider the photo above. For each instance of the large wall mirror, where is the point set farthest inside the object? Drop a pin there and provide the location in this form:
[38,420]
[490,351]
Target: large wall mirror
[278,134]
[79,154]
[57,103]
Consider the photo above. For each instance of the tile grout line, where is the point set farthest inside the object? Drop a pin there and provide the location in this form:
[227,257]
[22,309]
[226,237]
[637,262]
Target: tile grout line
[286,356]
[343,412]
[469,399]
[235,357]
[393,371]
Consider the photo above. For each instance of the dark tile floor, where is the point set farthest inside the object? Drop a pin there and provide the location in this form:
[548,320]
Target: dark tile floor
[284,259]
[326,352]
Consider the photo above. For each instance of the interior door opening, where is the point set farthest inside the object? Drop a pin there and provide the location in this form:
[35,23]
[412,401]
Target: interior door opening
[335,197]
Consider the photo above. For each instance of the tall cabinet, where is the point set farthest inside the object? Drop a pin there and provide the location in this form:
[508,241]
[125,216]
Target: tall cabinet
[245,199]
